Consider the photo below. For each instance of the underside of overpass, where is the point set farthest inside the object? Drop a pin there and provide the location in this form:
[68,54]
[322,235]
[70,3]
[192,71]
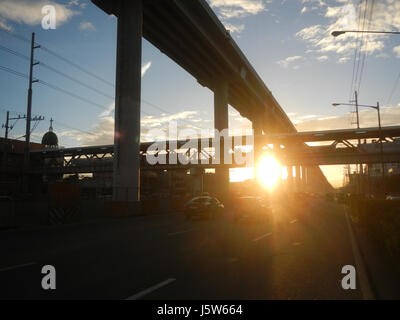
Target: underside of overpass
[189,33]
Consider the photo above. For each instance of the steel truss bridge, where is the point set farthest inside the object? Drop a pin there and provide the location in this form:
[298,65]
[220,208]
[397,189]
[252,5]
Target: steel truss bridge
[285,147]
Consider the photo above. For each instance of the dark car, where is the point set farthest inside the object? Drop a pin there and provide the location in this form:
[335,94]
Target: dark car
[252,208]
[393,196]
[203,206]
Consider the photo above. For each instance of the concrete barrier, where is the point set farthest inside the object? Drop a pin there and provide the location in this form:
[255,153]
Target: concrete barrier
[42,213]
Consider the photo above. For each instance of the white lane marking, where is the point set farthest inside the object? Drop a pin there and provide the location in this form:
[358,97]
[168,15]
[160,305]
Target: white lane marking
[365,286]
[17,266]
[179,232]
[151,289]
[293,221]
[262,237]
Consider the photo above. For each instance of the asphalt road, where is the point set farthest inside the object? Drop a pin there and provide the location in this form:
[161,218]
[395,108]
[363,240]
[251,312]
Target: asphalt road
[298,254]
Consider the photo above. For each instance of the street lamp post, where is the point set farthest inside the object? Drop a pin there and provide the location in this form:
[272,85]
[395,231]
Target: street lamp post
[377,108]
[359,169]
[381,143]
[338,33]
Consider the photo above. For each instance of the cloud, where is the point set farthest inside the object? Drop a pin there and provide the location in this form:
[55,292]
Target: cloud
[286,62]
[109,111]
[4,25]
[322,58]
[368,118]
[344,15]
[236,9]
[396,50]
[153,121]
[30,11]
[295,118]
[103,131]
[146,67]
[101,134]
[311,5]
[234,28]
[87,26]
[343,60]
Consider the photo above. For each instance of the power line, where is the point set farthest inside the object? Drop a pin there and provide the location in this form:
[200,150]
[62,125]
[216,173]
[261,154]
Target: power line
[72,94]
[14,72]
[360,45]
[44,83]
[56,121]
[162,110]
[393,89]
[22,38]
[20,55]
[15,53]
[15,35]
[355,50]
[366,44]
[22,75]
[77,96]
[82,69]
[75,80]
[98,78]
[73,128]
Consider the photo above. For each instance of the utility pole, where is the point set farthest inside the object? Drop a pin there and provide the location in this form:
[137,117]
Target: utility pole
[8,128]
[29,112]
[5,151]
[359,166]
[358,116]
[381,147]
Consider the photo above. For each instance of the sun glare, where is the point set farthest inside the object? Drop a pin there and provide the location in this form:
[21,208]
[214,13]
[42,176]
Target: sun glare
[268,171]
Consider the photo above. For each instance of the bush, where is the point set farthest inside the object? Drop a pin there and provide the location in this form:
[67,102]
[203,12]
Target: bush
[381,218]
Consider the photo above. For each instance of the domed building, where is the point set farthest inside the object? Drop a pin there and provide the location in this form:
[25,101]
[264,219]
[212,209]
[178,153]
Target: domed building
[50,139]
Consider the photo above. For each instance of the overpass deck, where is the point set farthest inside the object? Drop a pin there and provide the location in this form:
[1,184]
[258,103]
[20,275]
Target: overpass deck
[190,33]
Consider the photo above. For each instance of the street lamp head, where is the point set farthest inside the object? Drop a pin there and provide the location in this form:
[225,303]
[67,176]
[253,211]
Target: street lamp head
[337,33]
[335,104]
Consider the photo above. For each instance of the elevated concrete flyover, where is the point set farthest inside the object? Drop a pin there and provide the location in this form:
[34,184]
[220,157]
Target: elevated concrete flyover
[389,132]
[100,158]
[332,154]
[190,33]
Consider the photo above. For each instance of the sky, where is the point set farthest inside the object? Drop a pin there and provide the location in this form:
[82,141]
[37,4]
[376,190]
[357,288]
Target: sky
[288,42]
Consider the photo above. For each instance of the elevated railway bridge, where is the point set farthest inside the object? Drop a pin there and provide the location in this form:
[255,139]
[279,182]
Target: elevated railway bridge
[200,154]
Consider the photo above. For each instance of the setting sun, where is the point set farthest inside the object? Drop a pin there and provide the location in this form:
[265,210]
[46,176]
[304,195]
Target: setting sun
[268,171]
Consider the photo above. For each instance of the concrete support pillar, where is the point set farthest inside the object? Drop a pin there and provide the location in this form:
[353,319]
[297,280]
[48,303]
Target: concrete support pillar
[298,179]
[290,178]
[257,131]
[304,177]
[126,178]
[221,122]
[257,126]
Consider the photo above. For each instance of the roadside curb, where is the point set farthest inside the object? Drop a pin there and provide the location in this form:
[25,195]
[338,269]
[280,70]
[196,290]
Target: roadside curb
[364,276]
